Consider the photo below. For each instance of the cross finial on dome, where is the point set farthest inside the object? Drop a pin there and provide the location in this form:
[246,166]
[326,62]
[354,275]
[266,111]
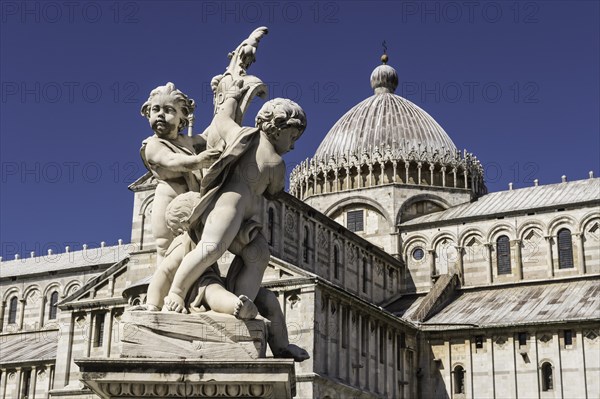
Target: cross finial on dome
[384,57]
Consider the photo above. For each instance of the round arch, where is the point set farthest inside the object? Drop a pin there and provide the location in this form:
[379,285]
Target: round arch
[588,219]
[358,200]
[418,198]
[468,233]
[531,224]
[560,222]
[416,238]
[12,291]
[499,228]
[31,288]
[51,287]
[69,286]
[147,201]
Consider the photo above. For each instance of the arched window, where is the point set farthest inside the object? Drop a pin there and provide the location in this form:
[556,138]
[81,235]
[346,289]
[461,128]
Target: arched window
[547,380]
[52,307]
[459,380]
[565,249]
[12,310]
[270,225]
[365,271]
[336,262]
[305,244]
[503,255]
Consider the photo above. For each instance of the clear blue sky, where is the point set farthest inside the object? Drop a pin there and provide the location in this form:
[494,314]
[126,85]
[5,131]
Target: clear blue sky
[516,83]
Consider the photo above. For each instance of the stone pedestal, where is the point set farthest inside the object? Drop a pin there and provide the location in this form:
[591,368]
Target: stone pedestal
[206,335]
[179,378]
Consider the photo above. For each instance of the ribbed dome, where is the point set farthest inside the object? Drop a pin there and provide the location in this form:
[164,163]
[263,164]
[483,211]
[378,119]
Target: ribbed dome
[381,120]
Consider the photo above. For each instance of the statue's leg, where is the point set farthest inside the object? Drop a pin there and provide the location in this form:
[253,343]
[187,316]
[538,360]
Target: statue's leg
[268,307]
[162,235]
[220,227]
[220,300]
[256,259]
[163,276]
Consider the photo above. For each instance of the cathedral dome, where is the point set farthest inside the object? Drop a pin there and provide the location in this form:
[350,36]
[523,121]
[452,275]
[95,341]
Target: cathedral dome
[386,139]
[382,120]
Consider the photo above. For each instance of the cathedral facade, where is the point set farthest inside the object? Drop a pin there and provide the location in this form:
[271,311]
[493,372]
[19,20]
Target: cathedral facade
[396,270]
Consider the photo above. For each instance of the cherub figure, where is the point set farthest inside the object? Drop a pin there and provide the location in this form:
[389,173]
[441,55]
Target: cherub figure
[232,189]
[171,157]
[209,291]
[177,218]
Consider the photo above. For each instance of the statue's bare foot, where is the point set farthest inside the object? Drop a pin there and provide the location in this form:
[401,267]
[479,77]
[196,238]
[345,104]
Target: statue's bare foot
[145,307]
[245,309]
[293,352]
[174,303]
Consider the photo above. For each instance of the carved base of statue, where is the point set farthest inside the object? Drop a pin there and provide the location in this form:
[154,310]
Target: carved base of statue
[206,335]
[177,378]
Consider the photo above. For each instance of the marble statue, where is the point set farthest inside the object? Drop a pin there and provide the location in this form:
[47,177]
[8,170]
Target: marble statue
[210,197]
[170,157]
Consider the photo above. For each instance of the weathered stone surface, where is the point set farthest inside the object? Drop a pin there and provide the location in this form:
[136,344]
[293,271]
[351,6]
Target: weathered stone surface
[176,378]
[207,335]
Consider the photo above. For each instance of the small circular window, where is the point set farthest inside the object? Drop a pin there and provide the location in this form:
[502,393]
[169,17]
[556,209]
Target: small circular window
[418,253]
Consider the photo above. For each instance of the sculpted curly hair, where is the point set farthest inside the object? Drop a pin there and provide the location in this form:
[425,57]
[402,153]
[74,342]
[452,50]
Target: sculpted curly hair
[179,211]
[186,104]
[278,114]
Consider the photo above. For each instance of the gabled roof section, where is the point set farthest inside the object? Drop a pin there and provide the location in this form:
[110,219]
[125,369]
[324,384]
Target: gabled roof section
[63,262]
[146,182]
[84,297]
[28,348]
[575,300]
[520,201]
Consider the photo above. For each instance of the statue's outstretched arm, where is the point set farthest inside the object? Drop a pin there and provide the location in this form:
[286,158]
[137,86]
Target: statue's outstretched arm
[157,154]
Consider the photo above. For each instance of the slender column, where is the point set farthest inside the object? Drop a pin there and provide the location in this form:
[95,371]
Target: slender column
[466,179]
[347,178]
[336,181]
[281,240]
[314,184]
[431,262]
[419,165]
[519,259]
[431,168]
[2,308]
[19,381]
[358,174]
[23,302]
[32,382]
[42,311]
[3,377]
[580,252]
[371,175]
[461,269]
[325,183]
[108,319]
[394,170]
[90,328]
[454,174]
[443,176]
[490,271]
[549,243]
[50,374]
[111,285]
[406,166]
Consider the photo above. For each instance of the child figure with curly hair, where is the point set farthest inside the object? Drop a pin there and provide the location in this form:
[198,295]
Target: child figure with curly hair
[170,156]
[232,188]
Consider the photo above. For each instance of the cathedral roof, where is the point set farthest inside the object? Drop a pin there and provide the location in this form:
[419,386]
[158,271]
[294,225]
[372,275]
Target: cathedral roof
[384,119]
[63,261]
[524,304]
[536,197]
